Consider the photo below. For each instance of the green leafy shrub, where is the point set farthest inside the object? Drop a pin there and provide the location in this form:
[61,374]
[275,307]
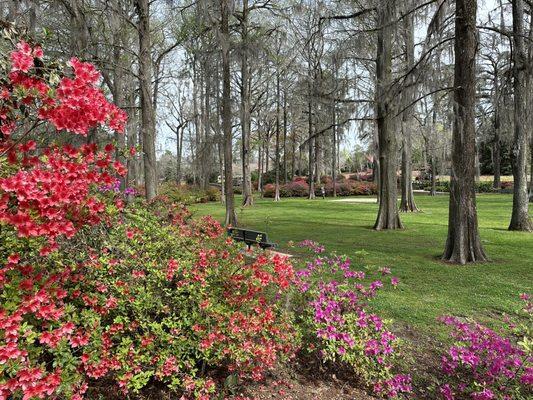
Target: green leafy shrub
[187,194]
[484,187]
[444,186]
[150,295]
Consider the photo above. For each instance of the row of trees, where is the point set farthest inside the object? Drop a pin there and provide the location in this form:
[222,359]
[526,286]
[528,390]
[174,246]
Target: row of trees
[285,84]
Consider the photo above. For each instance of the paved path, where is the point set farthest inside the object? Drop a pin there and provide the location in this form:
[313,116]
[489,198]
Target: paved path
[356,200]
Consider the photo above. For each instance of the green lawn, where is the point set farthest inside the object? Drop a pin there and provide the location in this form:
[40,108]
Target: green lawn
[428,288]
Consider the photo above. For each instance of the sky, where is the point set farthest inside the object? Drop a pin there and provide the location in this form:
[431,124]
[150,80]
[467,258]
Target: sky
[352,134]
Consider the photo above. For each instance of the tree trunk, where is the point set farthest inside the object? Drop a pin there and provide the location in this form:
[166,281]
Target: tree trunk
[196,120]
[310,144]
[388,216]
[407,203]
[131,132]
[293,148]
[180,131]
[80,37]
[496,149]
[259,158]
[531,173]
[375,163]
[463,243]
[231,216]
[530,100]
[430,150]
[318,159]
[147,111]
[278,127]
[334,147]
[118,98]
[300,158]
[334,130]
[496,162]
[266,164]
[207,153]
[247,196]
[285,170]
[220,148]
[433,190]
[520,220]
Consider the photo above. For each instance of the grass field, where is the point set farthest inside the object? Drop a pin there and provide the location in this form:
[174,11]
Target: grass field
[428,288]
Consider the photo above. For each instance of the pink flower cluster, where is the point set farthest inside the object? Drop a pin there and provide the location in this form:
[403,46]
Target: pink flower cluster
[483,365]
[79,103]
[345,329]
[76,104]
[46,193]
[22,58]
[313,246]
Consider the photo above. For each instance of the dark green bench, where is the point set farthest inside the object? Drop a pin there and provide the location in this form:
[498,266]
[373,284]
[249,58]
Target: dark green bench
[251,237]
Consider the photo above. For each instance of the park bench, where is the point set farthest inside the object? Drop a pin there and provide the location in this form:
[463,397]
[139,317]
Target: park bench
[251,237]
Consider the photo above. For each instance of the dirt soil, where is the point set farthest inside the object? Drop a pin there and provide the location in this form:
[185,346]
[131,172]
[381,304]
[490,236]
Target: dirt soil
[300,387]
[309,379]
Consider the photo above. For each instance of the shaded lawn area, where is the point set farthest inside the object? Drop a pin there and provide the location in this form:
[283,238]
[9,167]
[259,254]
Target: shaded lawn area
[428,288]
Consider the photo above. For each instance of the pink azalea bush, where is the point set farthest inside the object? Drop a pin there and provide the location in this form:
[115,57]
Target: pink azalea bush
[300,188]
[485,365]
[340,325]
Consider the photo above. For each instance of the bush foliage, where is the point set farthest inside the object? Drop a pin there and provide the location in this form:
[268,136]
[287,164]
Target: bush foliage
[188,194]
[337,318]
[444,186]
[142,294]
[91,289]
[300,188]
[486,365]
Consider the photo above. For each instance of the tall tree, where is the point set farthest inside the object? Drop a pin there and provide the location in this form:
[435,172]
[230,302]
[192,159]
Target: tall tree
[247,196]
[463,244]
[388,216]
[334,128]
[520,220]
[147,106]
[278,127]
[407,203]
[231,216]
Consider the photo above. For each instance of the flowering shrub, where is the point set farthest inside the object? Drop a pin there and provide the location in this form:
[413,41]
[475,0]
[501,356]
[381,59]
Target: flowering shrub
[340,326]
[315,247]
[184,298]
[45,192]
[364,188]
[90,289]
[484,365]
[343,188]
[46,196]
[149,299]
[297,188]
[269,190]
[365,176]
[300,188]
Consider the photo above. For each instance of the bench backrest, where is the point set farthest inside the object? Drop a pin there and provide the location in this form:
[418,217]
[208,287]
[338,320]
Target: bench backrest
[247,235]
[256,236]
